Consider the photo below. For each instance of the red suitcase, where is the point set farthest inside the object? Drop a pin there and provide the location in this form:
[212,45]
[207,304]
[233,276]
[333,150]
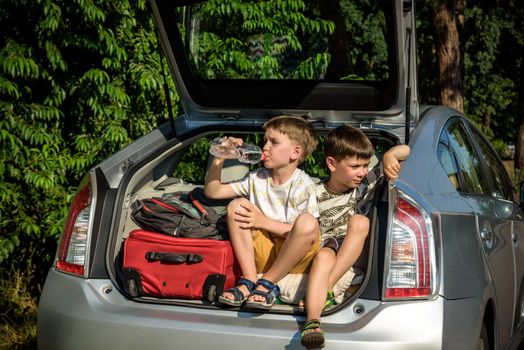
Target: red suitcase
[163,266]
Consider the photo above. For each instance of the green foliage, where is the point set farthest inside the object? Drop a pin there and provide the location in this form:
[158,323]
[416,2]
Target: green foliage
[78,81]
[287,39]
[492,40]
[315,164]
[489,91]
[193,164]
[254,40]
[426,57]
[368,50]
[19,312]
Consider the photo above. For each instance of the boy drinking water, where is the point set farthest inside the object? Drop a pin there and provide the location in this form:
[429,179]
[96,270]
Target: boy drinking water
[274,200]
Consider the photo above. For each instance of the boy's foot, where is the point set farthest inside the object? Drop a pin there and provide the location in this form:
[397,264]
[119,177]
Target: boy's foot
[269,295]
[330,299]
[239,294]
[312,335]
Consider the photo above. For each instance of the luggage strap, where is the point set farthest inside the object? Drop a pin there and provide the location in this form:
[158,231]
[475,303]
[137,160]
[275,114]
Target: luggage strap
[197,204]
[173,257]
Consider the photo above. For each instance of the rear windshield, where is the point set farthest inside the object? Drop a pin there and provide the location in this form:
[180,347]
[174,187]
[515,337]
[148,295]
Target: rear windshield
[312,40]
[292,54]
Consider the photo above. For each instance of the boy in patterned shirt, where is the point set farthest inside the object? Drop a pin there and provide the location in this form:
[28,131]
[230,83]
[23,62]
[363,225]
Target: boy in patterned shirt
[344,199]
[274,200]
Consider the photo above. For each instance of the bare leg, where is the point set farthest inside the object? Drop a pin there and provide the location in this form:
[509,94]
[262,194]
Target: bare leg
[317,284]
[242,242]
[351,248]
[303,235]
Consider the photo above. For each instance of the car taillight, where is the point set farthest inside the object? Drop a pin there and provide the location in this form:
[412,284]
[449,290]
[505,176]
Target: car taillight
[72,253]
[410,261]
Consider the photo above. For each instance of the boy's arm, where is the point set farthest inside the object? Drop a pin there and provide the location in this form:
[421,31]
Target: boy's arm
[214,188]
[276,228]
[392,159]
[252,217]
[307,204]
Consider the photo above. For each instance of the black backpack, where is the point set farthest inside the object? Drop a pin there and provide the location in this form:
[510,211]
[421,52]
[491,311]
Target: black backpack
[182,214]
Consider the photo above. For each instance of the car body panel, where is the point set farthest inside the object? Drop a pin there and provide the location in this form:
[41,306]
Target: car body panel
[93,314]
[518,246]
[115,166]
[482,271]
[499,257]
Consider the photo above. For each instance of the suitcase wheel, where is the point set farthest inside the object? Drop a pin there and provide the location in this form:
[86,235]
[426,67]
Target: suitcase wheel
[132,283]
[212,293]
[213,287]
[132,288]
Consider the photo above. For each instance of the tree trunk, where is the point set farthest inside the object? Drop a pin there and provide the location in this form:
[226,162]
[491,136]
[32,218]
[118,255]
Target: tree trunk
[341,63]
[450,62]
[486,120]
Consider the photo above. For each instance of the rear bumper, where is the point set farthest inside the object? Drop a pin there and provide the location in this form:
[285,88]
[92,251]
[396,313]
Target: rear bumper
[75,313]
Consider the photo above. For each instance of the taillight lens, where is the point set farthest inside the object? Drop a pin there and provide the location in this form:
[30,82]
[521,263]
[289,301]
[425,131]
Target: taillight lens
[410,263]
[72,253]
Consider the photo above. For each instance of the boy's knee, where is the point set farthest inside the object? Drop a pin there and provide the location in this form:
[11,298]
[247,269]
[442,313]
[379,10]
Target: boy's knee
[233,205]
[324,256]
[306,223]
[359,224]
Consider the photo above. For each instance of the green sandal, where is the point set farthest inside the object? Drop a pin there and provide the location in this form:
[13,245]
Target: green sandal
[330,299]
[312,335]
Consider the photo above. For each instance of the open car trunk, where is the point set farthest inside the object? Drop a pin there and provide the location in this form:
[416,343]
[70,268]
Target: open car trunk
[179,168]
[237,64]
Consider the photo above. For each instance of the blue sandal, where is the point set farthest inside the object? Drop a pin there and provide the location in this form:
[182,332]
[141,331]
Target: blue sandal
[270,295]
[238,297]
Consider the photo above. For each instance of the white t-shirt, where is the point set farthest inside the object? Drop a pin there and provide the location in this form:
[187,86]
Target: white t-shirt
[336,208]
[279,202]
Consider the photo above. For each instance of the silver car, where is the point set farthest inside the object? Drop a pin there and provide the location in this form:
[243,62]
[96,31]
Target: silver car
[443,267]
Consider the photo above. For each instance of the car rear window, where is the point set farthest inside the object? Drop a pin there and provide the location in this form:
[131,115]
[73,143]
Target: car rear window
[335,40]
[259,55]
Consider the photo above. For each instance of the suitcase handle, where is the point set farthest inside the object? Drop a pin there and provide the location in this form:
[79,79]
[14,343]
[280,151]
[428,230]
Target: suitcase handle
[173,257]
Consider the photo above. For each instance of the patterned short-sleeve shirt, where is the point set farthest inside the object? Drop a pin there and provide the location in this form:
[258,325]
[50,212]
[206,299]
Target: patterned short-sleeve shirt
[336,208]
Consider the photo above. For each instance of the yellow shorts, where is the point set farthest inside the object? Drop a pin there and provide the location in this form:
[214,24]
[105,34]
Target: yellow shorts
[267,249]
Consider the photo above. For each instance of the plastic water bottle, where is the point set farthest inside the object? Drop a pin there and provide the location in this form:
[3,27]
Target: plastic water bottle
[222,147]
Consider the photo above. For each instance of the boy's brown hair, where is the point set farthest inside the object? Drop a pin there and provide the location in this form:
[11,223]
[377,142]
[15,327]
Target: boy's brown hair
[298,129]
[348,141]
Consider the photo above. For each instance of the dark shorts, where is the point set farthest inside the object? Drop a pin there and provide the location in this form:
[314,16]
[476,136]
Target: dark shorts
[334,243]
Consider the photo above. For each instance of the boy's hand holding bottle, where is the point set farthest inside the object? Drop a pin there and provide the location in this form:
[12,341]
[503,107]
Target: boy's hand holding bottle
[232,147]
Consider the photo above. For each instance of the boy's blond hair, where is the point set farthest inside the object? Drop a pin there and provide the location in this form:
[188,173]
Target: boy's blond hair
[299,131]
[348,141]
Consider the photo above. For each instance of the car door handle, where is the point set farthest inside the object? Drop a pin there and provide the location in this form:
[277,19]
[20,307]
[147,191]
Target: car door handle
[515,238]
[487,238]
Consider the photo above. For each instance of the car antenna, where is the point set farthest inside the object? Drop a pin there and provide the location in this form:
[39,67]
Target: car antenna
[408,90]
[166,89]
[407,6]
